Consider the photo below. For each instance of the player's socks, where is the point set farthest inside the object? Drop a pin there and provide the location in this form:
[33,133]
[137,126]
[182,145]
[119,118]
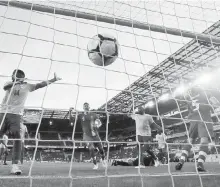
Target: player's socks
[201,160]
[104,164]
[156,163]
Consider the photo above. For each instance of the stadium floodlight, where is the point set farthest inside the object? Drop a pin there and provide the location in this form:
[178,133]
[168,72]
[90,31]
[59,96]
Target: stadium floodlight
[180,90]
[150,104]
[204,79]
[164,97]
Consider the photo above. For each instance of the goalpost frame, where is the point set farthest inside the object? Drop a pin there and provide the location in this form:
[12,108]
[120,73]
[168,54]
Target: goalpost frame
[110,20]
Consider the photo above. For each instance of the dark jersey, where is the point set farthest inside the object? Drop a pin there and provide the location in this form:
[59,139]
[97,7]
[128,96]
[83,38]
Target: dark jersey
[87,122]
[147,159]
[199,104]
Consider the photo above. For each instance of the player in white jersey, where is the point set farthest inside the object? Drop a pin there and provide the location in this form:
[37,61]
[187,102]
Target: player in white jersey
[4,148]
[12,110]
[144,125]
[24,134]
[161,139]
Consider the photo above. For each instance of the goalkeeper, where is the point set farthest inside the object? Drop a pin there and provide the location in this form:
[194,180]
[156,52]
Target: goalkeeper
[148,160]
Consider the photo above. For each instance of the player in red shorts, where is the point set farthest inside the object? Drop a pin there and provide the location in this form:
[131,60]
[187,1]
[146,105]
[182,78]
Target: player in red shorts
[12,109]
[90,124]
[201,125]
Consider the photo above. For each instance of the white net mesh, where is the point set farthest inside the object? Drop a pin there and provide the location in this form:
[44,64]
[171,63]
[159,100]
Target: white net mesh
[165,47]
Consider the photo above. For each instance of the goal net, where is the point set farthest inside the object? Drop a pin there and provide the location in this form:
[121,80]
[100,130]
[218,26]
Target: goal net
[166,48]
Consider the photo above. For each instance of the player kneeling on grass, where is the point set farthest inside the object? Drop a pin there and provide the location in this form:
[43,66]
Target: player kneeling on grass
[201,125]
[4,148]
[90,124]
[144,125]
[148,160]
[12,110]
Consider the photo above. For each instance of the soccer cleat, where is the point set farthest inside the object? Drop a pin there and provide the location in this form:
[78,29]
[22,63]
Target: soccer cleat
[179,166]
[5,163]
[96,166]
[15,170]
[140,166]
[200,167]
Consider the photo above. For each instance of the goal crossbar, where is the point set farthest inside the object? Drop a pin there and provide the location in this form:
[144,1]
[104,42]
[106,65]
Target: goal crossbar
[111,20]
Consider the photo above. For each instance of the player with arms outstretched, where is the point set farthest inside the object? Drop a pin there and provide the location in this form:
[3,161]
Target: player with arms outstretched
[12,110]
[144,125]
[201,125]
[4,148]
[90,124]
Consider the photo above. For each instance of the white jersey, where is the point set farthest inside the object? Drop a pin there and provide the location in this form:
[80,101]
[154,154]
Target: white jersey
[14,100]
[5,140]
[161,140]
[23,131]
[143,123]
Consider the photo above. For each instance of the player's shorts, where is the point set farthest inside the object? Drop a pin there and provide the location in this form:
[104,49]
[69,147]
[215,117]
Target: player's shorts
[11,124]
[90,140]
[3,150]
[161,146]
[144,138]
[201,129]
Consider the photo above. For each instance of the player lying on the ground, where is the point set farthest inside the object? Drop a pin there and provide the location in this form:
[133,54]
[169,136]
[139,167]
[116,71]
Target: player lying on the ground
[90,124]
[4,148]
[201,125]
[148,160]
[12,110]
[144,125]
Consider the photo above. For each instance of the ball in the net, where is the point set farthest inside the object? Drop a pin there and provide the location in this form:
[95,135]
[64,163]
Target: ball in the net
[103,49]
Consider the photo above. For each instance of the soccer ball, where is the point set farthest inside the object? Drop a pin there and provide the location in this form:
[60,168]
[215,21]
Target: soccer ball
[103,49]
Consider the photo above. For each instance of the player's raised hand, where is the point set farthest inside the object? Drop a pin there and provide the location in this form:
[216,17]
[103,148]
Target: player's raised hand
[56,77]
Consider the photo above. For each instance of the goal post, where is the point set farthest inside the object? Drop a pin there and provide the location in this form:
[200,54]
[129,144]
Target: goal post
[110,20]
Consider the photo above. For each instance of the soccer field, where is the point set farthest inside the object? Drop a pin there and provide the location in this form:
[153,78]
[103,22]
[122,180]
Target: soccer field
[56,175]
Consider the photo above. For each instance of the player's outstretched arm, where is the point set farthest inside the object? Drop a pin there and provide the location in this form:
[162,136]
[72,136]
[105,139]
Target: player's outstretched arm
[46,83]
[155,126]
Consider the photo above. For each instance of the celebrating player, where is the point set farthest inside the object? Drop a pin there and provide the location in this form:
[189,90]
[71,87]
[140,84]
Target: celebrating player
[201,125]
[4,148]
[24,134]
[90,125]
[12,109]
[147,161]
[144,125]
